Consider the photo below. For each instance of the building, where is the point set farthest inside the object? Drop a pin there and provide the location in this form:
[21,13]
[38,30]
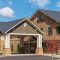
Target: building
[49,22]
[36,35]
[20,36]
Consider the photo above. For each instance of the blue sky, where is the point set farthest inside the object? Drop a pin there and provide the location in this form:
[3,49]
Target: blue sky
[15,9]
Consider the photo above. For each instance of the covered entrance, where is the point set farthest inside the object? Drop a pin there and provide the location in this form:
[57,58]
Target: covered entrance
[24,43]
[32,46]
[28,45]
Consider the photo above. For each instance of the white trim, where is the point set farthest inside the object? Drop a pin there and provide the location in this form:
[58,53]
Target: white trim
[22,34]
[39,41]
[37,27]
[7,41]
[30,22]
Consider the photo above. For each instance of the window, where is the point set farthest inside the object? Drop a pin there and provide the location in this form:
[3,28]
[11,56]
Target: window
[58,29]
[41,29]
[49,31]
[38,21]
[40,18]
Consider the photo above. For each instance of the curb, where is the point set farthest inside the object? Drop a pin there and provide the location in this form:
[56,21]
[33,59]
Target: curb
[52,55]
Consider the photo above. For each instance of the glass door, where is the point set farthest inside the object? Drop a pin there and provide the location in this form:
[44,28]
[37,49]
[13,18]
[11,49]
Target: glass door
[28,47]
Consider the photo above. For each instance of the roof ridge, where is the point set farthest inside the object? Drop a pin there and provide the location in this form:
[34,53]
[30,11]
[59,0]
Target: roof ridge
[47,10]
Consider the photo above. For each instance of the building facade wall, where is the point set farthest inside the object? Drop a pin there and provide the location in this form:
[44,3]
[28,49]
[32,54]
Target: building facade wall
[45,24]
[54,38]
[27,28]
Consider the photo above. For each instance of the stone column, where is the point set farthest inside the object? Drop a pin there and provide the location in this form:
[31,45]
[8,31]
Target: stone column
[39,49]
[2,43]
[7,49]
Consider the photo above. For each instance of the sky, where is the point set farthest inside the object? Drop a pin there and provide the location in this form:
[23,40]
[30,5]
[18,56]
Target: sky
[16,9]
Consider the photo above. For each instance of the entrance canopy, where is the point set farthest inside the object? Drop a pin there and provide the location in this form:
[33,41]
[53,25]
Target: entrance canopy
[24,27]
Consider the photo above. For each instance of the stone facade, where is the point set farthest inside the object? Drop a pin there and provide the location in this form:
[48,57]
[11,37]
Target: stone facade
[44,23]
[39,51]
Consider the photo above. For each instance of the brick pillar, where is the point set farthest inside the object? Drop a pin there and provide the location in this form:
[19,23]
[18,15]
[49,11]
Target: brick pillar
[39,49]
[7,49]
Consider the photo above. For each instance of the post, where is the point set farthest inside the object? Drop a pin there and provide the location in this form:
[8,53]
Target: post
[7,50]
[39,49]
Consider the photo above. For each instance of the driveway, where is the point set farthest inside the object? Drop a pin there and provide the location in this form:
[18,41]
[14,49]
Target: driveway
[28,58]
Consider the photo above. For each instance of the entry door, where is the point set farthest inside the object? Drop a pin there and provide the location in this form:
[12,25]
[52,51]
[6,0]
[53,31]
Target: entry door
[26,48]
[32,47]
[29,48]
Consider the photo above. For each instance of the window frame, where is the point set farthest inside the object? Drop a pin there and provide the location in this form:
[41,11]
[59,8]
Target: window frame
[58,29]
[50,32]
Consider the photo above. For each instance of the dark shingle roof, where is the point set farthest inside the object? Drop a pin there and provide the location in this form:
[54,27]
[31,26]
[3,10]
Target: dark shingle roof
[4,26]
[52,14]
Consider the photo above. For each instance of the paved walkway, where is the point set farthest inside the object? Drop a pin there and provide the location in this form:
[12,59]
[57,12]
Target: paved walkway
[32,57]
[51,55]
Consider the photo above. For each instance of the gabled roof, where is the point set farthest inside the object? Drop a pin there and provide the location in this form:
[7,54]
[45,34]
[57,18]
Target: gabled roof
[7,26]
[4,26]
[52,14]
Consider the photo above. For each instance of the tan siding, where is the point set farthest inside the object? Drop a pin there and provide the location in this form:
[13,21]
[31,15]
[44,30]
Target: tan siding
[28,29]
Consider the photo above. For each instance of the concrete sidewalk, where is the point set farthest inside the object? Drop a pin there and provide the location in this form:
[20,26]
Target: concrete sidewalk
[51,55]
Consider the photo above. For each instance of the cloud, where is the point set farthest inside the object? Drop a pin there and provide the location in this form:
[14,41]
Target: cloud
[32,0]
[6,12]
[40,3]
[58,4]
